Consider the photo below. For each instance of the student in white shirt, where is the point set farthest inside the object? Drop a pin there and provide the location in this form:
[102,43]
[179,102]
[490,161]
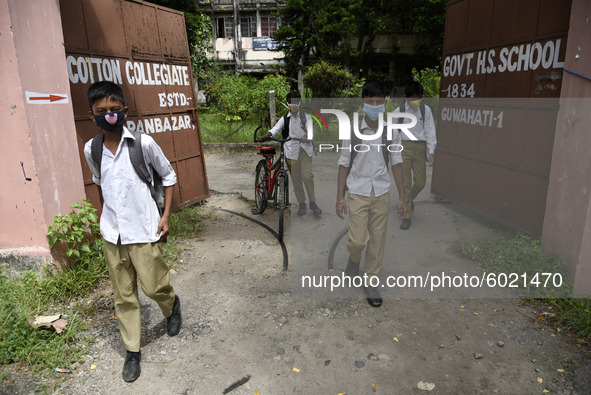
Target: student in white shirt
[130,223]
[298,152]
[417,155]
[368,182]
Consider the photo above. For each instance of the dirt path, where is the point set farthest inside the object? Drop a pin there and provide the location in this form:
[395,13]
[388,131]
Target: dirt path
[244,317]
[241,320]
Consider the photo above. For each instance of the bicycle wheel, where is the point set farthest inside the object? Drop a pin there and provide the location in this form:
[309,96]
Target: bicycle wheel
[281,200]
[260,186]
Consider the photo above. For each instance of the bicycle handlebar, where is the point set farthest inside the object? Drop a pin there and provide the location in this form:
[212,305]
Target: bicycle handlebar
[262,139]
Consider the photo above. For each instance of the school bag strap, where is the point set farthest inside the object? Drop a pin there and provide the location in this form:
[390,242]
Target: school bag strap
[285,131]
[136,155]
[96,151]
[402,108]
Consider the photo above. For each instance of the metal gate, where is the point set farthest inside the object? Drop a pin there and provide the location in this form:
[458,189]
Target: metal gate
[143,48]
[501,79]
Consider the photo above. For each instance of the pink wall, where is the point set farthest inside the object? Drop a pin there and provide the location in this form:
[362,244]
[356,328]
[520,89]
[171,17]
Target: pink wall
[41,136]
[567,223]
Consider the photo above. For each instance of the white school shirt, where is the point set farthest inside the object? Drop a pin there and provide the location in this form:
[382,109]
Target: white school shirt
[129,211]
[292,147]
[369,170]
[423,131]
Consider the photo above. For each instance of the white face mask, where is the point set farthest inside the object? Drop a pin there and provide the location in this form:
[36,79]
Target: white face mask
[373,112]
[293,106]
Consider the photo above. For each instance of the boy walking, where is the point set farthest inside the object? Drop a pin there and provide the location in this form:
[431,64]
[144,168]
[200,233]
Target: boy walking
[130,223]
[298,152]
[416,153]
[365,173]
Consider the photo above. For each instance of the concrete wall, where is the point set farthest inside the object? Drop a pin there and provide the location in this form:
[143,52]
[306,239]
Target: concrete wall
[39,163]
[567,223]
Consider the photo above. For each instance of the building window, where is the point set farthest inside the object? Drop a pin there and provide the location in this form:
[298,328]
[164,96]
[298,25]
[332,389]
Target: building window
[248,26]
[268,26]
[225,28]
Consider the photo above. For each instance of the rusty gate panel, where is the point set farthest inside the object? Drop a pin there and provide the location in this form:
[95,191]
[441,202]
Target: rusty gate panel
[174,42]
[501,77]
[143,48]
[139,28]
[104,23]
[478,26]
[455,20]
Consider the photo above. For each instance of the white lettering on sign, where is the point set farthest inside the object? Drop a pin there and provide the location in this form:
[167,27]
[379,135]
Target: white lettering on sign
[522,57]
[89,69]
[472,116]
[160,125]
[173,99]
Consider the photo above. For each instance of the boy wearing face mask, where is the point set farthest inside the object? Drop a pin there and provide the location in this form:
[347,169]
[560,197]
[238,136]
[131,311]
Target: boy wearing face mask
[416,153]
[298,152]
[368,182]
[130,223]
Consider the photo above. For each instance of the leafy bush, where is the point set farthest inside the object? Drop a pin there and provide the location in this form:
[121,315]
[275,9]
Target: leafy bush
[325,79]
[236,100]
[430,79]
[79,231]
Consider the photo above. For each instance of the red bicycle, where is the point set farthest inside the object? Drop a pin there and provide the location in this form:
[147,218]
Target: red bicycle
[271,180]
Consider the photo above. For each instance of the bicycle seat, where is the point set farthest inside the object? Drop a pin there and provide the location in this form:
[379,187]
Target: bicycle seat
[266,150]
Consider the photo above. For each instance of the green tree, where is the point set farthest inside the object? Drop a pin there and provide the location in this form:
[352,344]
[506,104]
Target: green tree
[328,80]
[316,28]
[324,29]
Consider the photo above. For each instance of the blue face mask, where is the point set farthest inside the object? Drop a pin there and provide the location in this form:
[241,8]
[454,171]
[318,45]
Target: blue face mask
[110,121]
[373,112]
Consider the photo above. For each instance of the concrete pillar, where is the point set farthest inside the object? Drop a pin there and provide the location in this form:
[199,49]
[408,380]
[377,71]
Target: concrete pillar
[40,166]
[567,222]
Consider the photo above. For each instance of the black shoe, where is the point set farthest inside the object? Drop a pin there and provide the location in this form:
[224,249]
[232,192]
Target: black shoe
[352,269]
[315,209]
[373,296]
[131,367]
[173,323]
[302,210]
[405,224]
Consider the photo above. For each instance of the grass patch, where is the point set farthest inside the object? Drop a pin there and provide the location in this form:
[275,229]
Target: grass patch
[65,291]
[520,254]
[186,223]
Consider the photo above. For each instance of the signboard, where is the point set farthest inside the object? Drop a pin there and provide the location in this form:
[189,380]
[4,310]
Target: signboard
[501,76]
[264,44]
[143,48]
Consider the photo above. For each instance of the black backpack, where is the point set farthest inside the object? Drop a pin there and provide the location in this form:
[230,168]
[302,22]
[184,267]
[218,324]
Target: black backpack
[136,154]
[285,131]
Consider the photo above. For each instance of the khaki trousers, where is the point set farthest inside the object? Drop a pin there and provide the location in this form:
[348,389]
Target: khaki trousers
[302,176]
[127,264]
[414,171]
[368,221]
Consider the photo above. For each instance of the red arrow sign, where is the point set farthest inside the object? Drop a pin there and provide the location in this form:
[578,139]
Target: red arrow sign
[51,98]
[46,98]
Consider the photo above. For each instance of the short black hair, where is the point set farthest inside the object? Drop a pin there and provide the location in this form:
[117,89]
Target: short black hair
[104,90]
[413,88]
[373,89]
[293,95]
